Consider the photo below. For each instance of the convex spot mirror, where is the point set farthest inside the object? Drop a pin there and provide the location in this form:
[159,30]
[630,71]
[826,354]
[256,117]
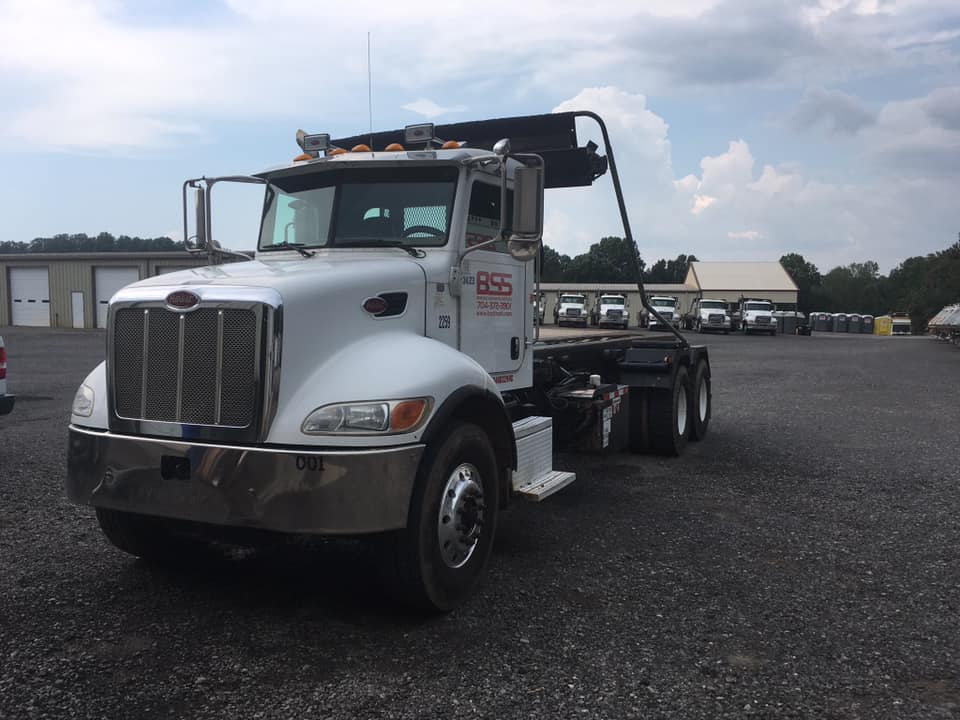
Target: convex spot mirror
[527,225]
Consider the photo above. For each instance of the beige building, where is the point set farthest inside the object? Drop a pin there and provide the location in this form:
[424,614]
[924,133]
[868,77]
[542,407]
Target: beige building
[731,281]
[72,290]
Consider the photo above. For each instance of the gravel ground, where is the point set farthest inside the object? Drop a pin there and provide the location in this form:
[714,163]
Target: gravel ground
[800,562]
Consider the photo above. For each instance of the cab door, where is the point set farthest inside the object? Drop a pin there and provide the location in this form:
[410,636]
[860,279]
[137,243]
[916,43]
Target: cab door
[496,314]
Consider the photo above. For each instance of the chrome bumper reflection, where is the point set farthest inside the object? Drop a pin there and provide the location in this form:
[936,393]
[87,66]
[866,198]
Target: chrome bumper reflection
[303,491]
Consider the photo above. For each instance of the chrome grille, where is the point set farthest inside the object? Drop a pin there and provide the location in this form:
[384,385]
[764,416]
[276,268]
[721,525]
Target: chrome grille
[573,312]
[715,319]
[615,314]
[197,367]
[763,320]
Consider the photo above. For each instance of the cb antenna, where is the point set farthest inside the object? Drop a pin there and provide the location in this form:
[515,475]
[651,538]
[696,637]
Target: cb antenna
[369,91]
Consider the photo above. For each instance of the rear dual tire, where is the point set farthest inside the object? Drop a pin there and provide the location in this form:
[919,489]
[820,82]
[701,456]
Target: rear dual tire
[662,420]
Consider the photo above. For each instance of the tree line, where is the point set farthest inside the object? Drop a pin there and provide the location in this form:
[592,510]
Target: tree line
[919,285]
[81,242]
[608,261]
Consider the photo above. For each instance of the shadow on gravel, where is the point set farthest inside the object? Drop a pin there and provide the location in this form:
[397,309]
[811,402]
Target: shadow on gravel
[336,579]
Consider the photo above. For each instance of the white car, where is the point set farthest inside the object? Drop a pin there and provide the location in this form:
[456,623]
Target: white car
[612,310]
[572,310]
[6,401]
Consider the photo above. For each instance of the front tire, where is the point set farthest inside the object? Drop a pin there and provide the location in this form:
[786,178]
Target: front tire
[437,561]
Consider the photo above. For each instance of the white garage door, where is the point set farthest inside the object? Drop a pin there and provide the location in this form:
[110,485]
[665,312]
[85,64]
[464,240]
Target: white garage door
[30,297]
[106,281]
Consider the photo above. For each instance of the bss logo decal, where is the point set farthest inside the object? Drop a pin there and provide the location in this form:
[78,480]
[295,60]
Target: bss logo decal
[497,283]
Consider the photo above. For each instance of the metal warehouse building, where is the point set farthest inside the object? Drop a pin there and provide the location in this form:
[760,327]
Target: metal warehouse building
[731,281]
[73,289]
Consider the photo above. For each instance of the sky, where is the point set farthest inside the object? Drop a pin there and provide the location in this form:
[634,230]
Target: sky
[743,129]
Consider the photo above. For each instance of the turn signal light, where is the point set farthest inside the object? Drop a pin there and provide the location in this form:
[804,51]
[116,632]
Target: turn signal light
[450,145]
[360,148]
[336,151]
[394,147]
[303,156]
[407,414]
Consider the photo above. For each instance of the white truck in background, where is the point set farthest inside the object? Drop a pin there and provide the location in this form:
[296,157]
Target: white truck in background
[375,371]
[756,316]
[711,315]
[611,311]
[572,310]
[666,307]
[6,401]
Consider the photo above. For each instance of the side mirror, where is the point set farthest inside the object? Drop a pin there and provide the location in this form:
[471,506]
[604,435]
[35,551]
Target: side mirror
[201,215]
[527,213]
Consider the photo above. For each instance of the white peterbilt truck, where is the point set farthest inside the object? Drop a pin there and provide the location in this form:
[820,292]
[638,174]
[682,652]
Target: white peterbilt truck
[233,404]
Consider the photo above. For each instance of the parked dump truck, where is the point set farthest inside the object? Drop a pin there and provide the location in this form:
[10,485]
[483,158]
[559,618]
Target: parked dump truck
[710,314]
[610,310]
[571,309]
[376,370]
[667,313]
[757,316]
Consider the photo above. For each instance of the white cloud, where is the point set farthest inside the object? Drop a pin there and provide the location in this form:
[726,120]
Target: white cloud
[429,109]
[701,203]
[751,235]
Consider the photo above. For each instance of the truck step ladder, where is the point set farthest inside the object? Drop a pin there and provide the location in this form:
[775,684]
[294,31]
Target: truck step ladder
[535,478]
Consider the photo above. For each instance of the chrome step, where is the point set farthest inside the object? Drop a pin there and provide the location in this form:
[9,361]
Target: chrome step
[546,485]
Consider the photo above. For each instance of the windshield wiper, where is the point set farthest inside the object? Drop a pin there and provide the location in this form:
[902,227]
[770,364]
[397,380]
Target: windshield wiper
[380,242]
[295,245]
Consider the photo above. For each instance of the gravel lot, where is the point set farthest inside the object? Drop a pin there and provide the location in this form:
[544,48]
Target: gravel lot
[800,562]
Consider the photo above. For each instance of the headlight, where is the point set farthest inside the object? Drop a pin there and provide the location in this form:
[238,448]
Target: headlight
[381,417]
[83,402]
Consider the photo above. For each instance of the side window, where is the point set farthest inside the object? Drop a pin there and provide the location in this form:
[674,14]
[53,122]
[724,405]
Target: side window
[483,216]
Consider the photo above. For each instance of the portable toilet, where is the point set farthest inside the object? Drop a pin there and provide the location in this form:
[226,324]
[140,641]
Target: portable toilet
[787,322]
[866,324]
[854,323]
[882,325]
[840,322]
[824,322]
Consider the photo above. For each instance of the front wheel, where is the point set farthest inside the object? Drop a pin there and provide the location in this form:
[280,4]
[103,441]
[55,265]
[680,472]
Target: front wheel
[437,561]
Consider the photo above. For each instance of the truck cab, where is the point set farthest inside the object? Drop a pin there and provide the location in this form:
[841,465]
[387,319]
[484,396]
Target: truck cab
[667,308]
[757,316]
[572,309]
[711,315]
[612,311]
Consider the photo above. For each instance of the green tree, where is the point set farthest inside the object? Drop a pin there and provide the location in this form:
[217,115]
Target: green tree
[807,278]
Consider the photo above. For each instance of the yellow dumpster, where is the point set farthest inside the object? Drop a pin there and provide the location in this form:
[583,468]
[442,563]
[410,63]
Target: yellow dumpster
[883,325]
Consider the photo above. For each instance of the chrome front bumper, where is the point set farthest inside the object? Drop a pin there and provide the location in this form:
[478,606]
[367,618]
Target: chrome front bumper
[298,491]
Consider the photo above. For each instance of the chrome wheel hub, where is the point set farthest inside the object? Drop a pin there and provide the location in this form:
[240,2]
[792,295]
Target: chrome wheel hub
[461,515]
[682,410]
[702,393]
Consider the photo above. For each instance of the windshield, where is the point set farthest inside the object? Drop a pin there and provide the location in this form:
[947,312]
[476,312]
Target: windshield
[359,207]
[713,305]
[663,302]
[758,306]
[575,299]
[607,300]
